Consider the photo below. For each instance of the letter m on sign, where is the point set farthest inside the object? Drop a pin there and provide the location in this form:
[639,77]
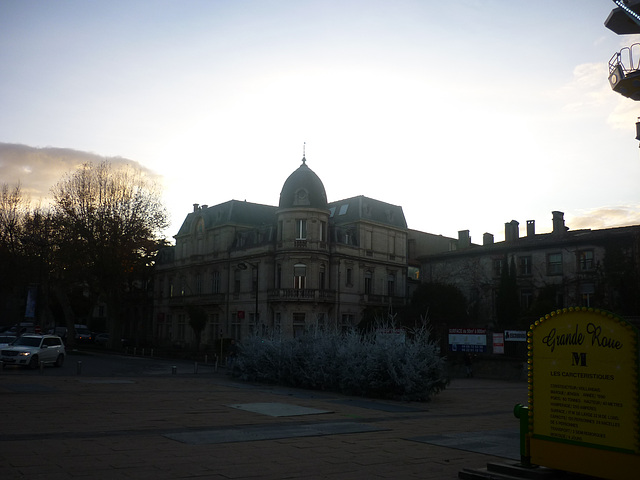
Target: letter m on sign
[578,359]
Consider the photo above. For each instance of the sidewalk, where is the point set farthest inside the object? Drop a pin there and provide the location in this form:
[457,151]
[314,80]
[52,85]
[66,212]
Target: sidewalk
[210,427]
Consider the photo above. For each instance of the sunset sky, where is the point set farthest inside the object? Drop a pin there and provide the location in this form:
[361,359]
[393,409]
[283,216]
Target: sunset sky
[468,114]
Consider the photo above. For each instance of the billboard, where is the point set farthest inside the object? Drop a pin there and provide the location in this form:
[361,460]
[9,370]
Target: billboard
[472,340]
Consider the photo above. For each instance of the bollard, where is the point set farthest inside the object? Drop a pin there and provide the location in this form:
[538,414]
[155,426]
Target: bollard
[522,412]
[79,368]
[206,359]
[143,352]
[135,351]
[174,370]
[151,354]
[195,367]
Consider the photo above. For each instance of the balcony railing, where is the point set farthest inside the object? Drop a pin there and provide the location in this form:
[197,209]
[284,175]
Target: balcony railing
[369,299]
[302,294]
[203,299]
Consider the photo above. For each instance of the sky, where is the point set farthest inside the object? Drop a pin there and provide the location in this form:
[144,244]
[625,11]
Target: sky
[468,114]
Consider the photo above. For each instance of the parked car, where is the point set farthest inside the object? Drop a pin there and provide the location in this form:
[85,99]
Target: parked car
[102,339]
[83,334]
[29,350]
[7,340]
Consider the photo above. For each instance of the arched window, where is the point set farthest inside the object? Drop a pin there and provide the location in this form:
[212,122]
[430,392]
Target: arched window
[299,276]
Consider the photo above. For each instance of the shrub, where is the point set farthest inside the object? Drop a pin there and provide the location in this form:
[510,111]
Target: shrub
[352,363]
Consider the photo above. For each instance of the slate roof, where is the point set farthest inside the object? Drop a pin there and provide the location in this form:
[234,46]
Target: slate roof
[303,189]
[359,208]
[232,212]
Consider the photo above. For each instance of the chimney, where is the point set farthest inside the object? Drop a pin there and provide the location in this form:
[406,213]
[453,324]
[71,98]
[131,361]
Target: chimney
[487,239]
[511,232]
[531,228]
[195,207]
[558,222]
[204,207]
[464,240]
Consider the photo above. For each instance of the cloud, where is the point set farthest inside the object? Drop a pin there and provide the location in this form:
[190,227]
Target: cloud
[38,169]
[588,89]
[605,217]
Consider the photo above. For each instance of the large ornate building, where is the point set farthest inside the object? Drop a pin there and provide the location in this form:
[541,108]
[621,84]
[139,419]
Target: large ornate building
[306,263]
[564,268]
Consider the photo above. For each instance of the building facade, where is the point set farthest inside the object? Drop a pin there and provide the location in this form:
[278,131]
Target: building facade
[307,263]
[564,268]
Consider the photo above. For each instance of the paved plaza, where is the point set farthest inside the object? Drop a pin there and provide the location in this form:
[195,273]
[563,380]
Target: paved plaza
[206,425]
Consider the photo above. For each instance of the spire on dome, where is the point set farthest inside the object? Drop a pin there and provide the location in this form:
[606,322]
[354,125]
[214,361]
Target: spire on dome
[304,156]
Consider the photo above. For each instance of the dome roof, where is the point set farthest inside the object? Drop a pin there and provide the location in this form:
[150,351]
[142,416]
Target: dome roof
[303,189]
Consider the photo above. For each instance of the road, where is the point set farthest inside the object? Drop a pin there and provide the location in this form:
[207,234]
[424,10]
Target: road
[101,364]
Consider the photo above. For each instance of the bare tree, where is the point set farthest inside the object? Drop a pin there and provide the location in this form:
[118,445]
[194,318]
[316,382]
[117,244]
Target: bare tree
[13,208]
[12,211]
[108,222]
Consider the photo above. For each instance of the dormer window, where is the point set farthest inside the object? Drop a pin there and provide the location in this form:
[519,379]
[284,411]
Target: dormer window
[301,197]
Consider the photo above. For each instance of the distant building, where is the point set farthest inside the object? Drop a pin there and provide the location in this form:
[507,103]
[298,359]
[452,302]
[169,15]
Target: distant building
[564,268]
[307,263]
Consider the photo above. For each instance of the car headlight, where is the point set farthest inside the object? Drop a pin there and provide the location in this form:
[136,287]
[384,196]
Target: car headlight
[24,354]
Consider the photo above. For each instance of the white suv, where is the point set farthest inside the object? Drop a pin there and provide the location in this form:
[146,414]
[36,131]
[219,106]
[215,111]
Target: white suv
[29,350]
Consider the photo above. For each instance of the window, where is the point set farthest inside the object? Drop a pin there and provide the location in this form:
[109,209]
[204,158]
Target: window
[198,284]
[368,282]
[236,326]
[279,276]
[497,267]
[213,327]
[347,322]
[585,260]
[236,282]
[554,264]
[391,285]
[215,282]
[182,327]
[349,279]
[526,299]
[525,265]
[559,298]
[299,276]
[323,278]
[323,231]
[587,291]
[301,229]
[298,324]
[277,322]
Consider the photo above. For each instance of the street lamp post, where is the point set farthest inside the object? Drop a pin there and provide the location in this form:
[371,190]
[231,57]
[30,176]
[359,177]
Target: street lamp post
[243,266]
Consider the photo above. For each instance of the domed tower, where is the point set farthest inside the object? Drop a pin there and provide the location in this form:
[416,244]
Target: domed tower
[302,251]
